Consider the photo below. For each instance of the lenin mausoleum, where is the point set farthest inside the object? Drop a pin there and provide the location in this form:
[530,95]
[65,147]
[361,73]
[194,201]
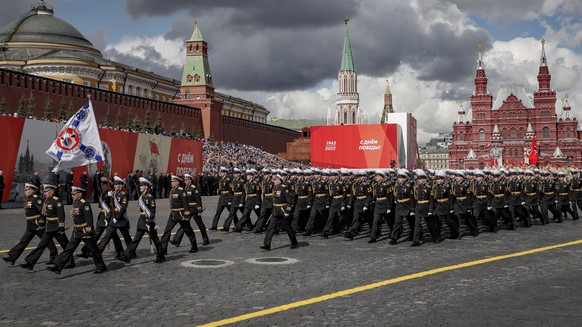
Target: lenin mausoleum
[501,130]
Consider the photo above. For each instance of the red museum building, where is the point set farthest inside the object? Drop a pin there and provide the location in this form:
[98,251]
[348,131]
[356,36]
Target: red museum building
[501,130]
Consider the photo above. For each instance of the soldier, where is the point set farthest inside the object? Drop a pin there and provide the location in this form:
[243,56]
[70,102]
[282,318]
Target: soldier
[337,193]
[499,197]
[441,207]
[321,201]
[105,203]
[382,197]
[304,201]
[225,197]
[576,191]
[421,191]
[462,204]
[83,231]
[253,202]
[35,223]
[548,201]
[516,197]
[266,184]
[404,204]
[54,213]
[481,200]
[179,214]
[195,203]
[530,198]
[238,200]
[146,223]
[117,218]
[84,183]
[282,200]
[563,196]
[361,197]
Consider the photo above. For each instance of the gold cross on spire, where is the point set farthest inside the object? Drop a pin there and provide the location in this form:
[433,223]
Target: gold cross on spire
[543,42]
[196,22]
[479,46]
[346,20]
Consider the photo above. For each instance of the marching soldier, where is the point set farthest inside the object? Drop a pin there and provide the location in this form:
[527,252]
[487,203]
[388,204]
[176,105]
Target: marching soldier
[225,197]
[179,214]
[462,204]
[54,213]
[267,205]
[304,201]
[548,201]
[481,200]
[282,201]
[146,223]
[563,196]
[422,192]
[117,219]
[361,196]
[382,197]
[321,201]
[238,200]
[337,193]
[35,223]
[516,198]
[576,191]
[83,232]
[530,198]
[499,197]
[253,202]
[195,203]
[404,204]
[441,207]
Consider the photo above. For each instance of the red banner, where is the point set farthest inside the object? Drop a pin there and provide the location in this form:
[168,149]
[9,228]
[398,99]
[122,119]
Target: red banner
[11,132]
[119,151]
[185,157]
[354,146]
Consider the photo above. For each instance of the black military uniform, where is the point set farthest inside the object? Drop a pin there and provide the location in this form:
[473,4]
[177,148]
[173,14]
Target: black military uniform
[404,206]
[253,203]
[195,203]
[237,204]
[516,198]
[422,191]
[117,220]
[441,205]
[462,206]
[547,189]
[337,194]
[83,231]
[576,193]
[361,199]
[499,197]
[302,205]
[267,204]
[481,203]
[282,200]
[529,189]
[35,223]
[179,214]
[321,202]
[145,224]
[383,198]
[563,196]
[224,199]
[54,213]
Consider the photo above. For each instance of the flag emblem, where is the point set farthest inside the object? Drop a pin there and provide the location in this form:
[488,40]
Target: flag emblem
[69,139]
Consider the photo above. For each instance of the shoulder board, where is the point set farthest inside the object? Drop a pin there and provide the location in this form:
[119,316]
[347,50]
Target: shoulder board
[180,188]
[82,200]
[35,196]
[55,198]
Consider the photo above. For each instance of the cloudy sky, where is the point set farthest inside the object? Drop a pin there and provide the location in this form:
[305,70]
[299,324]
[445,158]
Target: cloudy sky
[285,54]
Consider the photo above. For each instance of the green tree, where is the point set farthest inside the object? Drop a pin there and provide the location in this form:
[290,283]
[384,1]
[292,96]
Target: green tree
[137,124]
[147,122]
[3,106]
[118,120]
[173,130]
[30,106]
[129,122]
[159,125]
[62,111]
[22,107]
[48,110]
[106,120]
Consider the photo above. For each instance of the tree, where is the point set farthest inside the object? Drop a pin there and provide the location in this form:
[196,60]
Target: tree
[173,130]
[106,120]
[3,106]
[159,125]
[62,113]
[71,111]
[147,122]
[48,110]
[182,128]
[118,120]
[129,122]
[30,106]
[136,123]
[21,107]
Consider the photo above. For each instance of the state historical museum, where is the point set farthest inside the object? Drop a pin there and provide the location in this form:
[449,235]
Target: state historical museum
[501,130]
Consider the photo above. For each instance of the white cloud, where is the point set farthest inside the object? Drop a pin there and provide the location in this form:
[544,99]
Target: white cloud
[171,51]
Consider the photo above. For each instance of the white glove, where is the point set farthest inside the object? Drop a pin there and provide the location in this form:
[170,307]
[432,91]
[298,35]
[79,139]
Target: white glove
[106,223]
[506,206]
[489,208]
[349,207]
[229,203]
[523,203]
[148,227]
[452,211]
[109,193]
[240,205]
[412,213]
[308,207]
[156,227]
[114,221]
[327,207]
[365,208]
[388,211]
[556,202]
[468,210]
[257,207]
[343,208]
[286,215]
[430,213]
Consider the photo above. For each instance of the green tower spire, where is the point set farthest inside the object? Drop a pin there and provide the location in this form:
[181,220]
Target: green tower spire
[196,35]
[347,61]
[196,69]
[388,108]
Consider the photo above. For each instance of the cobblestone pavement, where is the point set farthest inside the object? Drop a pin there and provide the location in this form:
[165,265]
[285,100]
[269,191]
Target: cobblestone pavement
[540,289]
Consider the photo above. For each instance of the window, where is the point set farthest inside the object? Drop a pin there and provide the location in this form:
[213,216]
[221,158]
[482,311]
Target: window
[481,135]
[513,133]
[187,95]
[87,83]
[568,134]
[546,132]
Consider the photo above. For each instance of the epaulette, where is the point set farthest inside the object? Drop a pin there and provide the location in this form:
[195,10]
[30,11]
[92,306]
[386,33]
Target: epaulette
[83,201]
[180,188]
[55,198]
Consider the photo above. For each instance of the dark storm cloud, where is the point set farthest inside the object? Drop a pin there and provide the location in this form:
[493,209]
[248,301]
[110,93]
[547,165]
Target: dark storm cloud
[10,10]
[272,45]
[150,64]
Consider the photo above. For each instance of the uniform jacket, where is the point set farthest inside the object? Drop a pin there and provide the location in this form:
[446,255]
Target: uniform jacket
[82,219]
[441,200]
[253,192]
[33,212]
[54,212]
[403,198]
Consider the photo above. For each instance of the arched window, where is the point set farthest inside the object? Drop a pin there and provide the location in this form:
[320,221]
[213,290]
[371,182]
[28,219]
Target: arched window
[353,118]
[481,135]
[187,95]
[546,131]
[568,134]
[520,135]
[345,118]
[513,133]
[461,137]
[504,133]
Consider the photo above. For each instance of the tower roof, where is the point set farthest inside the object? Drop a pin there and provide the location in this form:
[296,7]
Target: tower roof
[388,92]
[196,35]
[543,59]
[347,61]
